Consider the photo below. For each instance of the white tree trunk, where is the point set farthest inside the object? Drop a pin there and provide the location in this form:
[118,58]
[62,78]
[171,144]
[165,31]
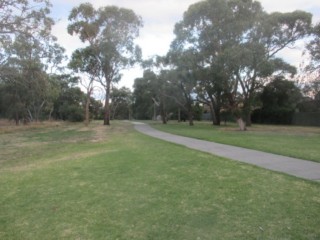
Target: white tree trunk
[242,124]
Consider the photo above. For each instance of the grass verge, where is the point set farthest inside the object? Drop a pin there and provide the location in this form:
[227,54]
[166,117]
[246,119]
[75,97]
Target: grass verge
[114,183]
[298,142]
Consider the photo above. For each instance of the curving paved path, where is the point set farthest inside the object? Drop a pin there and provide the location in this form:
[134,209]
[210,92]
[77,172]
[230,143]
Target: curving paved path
[292,166]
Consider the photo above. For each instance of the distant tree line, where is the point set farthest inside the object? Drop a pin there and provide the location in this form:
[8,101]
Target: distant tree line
[224,57]
[33,83]
[223,60]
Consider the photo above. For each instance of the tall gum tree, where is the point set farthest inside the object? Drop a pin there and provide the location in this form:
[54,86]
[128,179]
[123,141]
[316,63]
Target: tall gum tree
[24,18]
[312,70]
[110,33]
[28,52]
[256,59]
[83,61]
[183,79]
[28,19]
[241,39]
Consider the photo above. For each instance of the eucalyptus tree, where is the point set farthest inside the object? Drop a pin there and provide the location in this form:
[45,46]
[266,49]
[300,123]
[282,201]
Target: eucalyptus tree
[279,100]
[28,52]
[110,33]
[24,75]
[313,48]
[240,39]
[121,103]
[147,96]
[68,104]
[257,59]
[170,95]
[22,18]
[211,93]
[29,17]
[84,61]
[164,90]
[183,78]
[312,86]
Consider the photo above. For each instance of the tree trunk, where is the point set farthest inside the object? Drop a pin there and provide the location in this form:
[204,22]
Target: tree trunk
[242,124]
[212,114]
[163,113]
[179,115]
[30,115]
[217,115]
[164,117]
[16,119]
[87,112]
[50,114]
[107,106]
[247,111]
[114,110]
[129,114]
[38,111]
[106,113]
[154,112]
[248,119]
[190,115]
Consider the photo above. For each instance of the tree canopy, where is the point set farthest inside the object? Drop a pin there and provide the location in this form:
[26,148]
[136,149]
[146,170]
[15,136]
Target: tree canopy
[110,33]
[239,39]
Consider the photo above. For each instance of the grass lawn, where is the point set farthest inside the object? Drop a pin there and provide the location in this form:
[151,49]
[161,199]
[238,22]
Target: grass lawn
[298,142]
[71,182]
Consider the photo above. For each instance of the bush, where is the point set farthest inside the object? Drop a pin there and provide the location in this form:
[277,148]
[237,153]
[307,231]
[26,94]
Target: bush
[307,119]
[274,116]
[72,113]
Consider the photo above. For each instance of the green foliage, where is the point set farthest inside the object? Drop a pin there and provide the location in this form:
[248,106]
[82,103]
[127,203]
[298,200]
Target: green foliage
[69,105]
[183,78]
[279,115]
[309,105]
[279,101]
[312,86]
[27,84]
[314,47]
[110,32]
[84,61]
[68,100]
[72,113]
[154,95]
[29,18]
[280,93]
[28,51]
[198,111]
[306,118]
[236,42]
[13,102]
[143,94]
[121,103]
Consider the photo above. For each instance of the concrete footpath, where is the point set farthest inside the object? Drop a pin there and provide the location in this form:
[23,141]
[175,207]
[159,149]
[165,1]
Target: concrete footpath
[292,166]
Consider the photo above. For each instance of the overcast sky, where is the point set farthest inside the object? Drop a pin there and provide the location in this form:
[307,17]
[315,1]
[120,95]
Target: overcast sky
[159,17]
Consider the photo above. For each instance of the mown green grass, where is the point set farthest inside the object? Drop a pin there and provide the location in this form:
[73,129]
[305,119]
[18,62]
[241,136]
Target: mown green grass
[115,183]
[298,142]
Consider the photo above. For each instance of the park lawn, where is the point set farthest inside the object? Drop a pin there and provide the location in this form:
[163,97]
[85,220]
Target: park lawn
[72,182]
[292,141]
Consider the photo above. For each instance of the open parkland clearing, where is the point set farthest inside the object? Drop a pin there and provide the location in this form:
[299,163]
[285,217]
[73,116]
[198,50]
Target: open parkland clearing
[66,181]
